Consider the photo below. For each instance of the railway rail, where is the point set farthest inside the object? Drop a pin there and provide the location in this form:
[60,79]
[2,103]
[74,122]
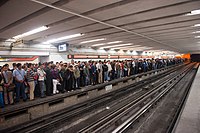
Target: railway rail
[140,88]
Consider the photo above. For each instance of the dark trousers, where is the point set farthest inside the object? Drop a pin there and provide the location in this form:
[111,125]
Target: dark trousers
[82,81]
[63,85]
[76,83]
[94,79]
[49,87]
[20,87]
[69,84]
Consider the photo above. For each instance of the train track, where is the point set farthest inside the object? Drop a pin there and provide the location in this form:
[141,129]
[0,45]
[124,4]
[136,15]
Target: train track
[48,122]
[128,114]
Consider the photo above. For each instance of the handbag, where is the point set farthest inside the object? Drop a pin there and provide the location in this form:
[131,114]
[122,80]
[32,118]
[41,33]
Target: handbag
[11,87]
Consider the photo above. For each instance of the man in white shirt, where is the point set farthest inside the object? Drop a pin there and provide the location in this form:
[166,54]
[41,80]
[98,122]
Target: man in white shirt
[41,77]
[100,72]
[19,75]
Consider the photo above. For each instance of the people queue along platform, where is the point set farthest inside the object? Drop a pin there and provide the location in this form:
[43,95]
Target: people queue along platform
[29,80]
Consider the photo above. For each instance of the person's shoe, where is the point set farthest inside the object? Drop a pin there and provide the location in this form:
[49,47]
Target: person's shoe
[24,100]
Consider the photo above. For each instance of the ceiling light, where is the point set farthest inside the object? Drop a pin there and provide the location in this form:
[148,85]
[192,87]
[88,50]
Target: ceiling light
[196,25]
[114,42]
[194,12]
[10,40]
[136,48]
[116,45]
[197,36]
[196,32]
[63,38]
[31,32]
[100,44]
[95,40]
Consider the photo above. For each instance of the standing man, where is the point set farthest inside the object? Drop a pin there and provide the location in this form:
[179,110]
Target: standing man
[42,75]
[19,76]
[8,85]
[100,72]
[30,79]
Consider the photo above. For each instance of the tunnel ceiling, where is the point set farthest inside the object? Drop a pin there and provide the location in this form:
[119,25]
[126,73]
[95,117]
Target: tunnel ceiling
[153,24]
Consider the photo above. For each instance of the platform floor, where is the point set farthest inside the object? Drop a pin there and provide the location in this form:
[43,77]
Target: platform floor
[189,121]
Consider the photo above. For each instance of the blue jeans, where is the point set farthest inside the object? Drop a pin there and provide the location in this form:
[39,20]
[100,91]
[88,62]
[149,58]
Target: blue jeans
[41,83]
[1,100]
[77,83]
[106,76]
[20,86]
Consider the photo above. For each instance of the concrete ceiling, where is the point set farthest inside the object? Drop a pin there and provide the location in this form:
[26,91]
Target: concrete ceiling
[159,24]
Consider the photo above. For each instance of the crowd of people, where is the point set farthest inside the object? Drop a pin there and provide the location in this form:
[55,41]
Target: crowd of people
[29,80]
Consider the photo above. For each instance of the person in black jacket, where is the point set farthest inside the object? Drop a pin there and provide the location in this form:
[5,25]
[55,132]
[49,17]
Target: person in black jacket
[49,78]
[69,78]
[62,75]
[105,72]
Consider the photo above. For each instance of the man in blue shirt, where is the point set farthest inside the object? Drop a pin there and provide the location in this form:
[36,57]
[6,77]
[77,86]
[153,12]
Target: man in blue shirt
[19,75]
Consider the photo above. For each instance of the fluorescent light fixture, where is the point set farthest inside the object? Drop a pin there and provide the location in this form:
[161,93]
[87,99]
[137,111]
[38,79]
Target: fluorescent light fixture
[198,42]
[114,42]
[116,45]
[10,40]
[31,32]
[95,40]
[63,38]
[196,25]
[100,44]
[133,46]
[194,12]
[196,32]
[95,45]
[197,36]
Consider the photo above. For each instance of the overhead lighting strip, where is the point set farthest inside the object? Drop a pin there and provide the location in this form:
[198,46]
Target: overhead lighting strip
[117,45]
[63,38]
[31,32]
[196,32]
[196,25]
[194,12]
[100,44]
[197,37]
[95,40]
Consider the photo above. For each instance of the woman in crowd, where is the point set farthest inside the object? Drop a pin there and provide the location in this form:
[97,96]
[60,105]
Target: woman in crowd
[55,76]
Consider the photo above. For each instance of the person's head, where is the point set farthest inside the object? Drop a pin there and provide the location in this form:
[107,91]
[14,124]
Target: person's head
[72,61]
[71,67]
[5,67]
[19,66]
[53,66]
[30,65]
[14,65]
[76,67]
[41,66]
[49,64]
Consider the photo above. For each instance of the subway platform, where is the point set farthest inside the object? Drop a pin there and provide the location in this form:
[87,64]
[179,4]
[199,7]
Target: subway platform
[189,120]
